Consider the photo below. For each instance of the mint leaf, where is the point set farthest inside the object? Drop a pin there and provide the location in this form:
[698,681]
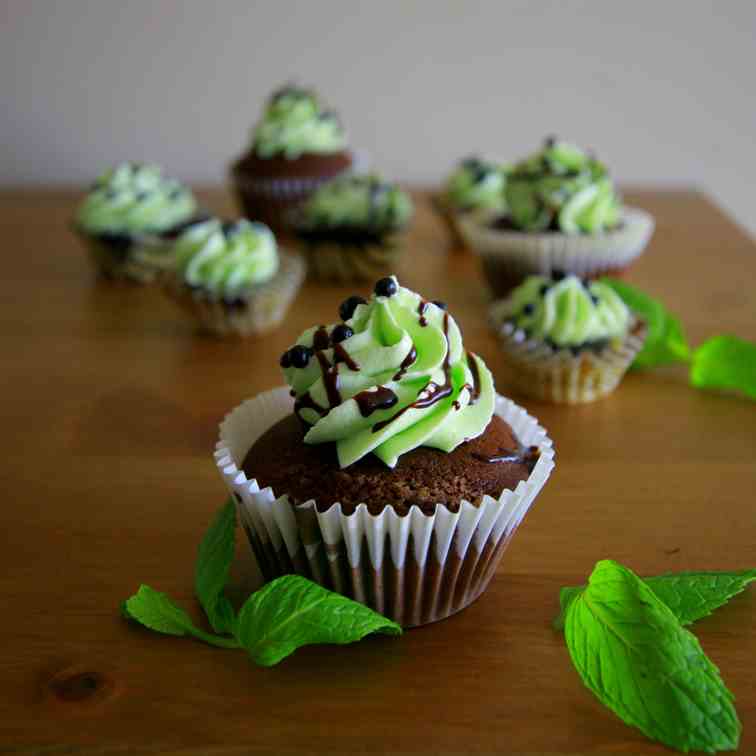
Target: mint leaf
[566,596]
[292,611]
[690,595]
[665,342]
[156,611]
[725,362]
[214,558]
[634,655]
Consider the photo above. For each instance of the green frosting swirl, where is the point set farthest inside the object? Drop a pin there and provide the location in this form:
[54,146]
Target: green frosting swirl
[294,123]
[567,313]
[477,184]
[562,188]
[401,380]
[135,198]
[357,203]
[226,258]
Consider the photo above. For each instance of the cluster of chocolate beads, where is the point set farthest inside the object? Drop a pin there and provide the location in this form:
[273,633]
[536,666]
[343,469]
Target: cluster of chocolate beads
[299,356]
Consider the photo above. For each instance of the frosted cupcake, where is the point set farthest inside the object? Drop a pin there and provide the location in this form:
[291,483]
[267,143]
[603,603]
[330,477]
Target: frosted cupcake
[130,218]
[297,145]
[566,340]
[562,215]
[232,278]
[388,469]
[350,229]
[474,185]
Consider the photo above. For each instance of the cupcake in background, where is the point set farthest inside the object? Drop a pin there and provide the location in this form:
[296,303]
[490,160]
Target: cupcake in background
[130,218]
[232,278]
[562,215]
[474,185]
[296,146]
[350,229]
[567,340]
[388,469]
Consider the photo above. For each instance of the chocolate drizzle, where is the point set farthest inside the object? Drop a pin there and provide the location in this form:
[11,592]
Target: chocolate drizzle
[330,380]
[341,355]
[307,402]
[406,362]
[524,455]
[421,308]
[370,401]
[433,392]
[475,388]
[320,339]
[330,373]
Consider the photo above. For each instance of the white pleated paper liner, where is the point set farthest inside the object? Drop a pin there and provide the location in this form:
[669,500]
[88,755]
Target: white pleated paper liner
[561,376]
[131,264]
[271,199]
[261,309]
[343,262]
[514,255]
[416,568]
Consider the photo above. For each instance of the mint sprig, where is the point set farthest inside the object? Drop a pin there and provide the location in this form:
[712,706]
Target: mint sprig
[274,622]
[214,558]
[725,362]
[665,342]
[690,595]
[156,611]
[284,615]
[637,659]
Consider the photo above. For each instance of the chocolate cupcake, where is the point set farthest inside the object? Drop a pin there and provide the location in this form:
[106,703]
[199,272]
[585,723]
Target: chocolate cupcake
[350,229]
[388,469]
[130,218]
[566,340]
[563,215]
[475,185]
[296,146]
[232,278]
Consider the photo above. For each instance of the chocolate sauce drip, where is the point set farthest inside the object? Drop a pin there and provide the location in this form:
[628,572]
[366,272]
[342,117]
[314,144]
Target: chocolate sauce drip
[307,402]
[406,362]
[525,455]
[433,392]
[330,380]
[380,399]
[475,388]
[341,355]
[320,339]
[421,308]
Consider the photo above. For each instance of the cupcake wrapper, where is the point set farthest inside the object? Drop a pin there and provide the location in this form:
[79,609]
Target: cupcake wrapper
[113,261]
[263,308]
[562,377]
[414,569]
[271,200]
[508,257]
[146,257]
[345,263]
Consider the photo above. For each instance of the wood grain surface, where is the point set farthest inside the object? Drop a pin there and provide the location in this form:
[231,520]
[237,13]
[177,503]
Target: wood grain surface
[110,410]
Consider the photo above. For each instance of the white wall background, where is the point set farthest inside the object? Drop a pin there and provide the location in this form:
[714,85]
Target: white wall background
[664,90]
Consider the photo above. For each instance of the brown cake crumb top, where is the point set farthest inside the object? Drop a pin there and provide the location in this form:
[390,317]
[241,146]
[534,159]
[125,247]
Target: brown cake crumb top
[424,477]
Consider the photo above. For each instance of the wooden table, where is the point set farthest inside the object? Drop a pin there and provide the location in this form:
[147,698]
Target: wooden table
[110,411]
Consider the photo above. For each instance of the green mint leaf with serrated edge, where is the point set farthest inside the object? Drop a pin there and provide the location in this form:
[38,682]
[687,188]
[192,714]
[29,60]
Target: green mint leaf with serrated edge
[665,342]
[725,362]
[638,660]
[690,595]
[292,611]
[214,558]
[157,612]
